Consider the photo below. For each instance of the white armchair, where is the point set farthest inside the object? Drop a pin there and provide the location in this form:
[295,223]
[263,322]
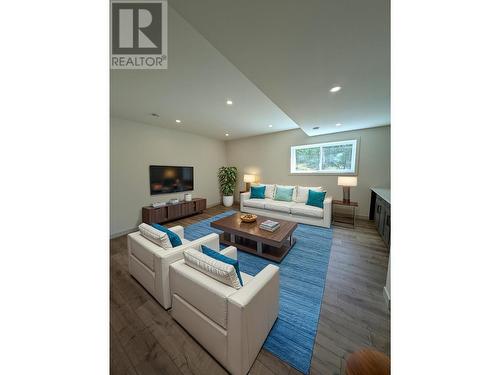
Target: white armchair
[149,263]
[231,324]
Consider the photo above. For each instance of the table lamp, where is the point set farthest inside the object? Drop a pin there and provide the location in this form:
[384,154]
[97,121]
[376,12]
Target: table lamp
[346,182]
[248,179]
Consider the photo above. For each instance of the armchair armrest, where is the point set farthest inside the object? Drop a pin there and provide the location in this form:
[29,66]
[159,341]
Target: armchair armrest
[179,230]
[210,240]
[265,280]
[328,200]
[230,252]
[252,311]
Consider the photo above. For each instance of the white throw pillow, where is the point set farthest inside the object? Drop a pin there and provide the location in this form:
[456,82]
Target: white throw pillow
[156,236]
[220,271]
[303,193]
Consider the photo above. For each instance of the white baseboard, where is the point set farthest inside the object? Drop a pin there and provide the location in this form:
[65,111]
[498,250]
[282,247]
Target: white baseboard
[387,298]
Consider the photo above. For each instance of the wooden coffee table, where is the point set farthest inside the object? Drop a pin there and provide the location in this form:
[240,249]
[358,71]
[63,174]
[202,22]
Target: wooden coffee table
[250,238]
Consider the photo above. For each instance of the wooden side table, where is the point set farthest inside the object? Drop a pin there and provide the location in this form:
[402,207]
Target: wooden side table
[368,362]
[344,219]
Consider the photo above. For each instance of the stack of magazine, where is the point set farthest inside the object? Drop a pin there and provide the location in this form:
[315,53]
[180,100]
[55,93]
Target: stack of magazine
[269,225]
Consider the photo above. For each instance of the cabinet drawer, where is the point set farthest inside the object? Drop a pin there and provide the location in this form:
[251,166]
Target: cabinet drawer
[387,226]
[378,210]
[200,205]
[187,208]
[159,215]
[174,211]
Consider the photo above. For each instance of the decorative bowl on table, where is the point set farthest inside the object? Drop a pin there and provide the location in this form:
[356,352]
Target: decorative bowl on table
[248,218]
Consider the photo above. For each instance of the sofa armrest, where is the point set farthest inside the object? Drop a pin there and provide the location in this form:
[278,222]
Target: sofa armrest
[179,230]
[243,197]
[230,252]
[252,311]
[327,211]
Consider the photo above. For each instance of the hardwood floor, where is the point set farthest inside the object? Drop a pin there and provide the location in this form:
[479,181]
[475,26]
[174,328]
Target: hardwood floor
[146,340]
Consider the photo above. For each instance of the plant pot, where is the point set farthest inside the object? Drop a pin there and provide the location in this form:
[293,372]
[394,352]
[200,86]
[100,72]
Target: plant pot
[227,200]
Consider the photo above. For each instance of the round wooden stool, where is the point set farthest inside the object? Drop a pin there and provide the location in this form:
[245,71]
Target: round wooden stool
[368,362]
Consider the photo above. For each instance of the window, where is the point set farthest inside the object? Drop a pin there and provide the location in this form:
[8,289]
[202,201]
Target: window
[328,158]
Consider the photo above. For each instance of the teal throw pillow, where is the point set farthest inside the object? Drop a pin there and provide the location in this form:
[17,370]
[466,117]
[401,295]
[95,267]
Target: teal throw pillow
[216,255]
[258,192]
[316,198]
[283,194]
[175,240]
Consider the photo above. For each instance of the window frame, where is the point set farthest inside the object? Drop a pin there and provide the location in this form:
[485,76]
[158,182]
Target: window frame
[355,155]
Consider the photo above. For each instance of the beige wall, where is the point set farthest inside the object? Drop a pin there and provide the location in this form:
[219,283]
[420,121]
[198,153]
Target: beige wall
[135,146]
[268,156]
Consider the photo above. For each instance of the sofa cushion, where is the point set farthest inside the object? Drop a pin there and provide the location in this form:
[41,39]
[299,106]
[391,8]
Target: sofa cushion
[154,235]
[257,192]
[278,206]
[174,238]
[246,278]
[257,203]
[214,268]
[302,192]
[305,210]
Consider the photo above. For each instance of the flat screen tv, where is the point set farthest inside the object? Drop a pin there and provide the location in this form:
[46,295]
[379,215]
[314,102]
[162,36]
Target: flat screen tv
[169,179]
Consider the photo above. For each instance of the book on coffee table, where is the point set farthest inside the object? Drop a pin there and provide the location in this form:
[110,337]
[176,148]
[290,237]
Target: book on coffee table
[270,229]
[269,225]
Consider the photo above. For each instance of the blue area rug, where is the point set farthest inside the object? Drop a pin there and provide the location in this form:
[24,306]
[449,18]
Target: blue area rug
[302,280]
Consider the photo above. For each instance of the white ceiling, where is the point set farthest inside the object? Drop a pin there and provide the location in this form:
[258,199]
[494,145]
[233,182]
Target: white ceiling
[194,89]
[296,50]
[275,59]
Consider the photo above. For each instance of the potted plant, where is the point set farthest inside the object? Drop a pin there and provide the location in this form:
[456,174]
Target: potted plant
[227,182]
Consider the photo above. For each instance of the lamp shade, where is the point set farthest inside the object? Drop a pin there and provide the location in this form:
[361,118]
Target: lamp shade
[249,178]
[347,181]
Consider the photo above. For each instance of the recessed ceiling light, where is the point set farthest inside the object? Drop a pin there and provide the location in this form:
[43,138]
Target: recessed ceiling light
[316,128]
[229,102]
[270,126]
[156,115]
[338,124]
[227,134]
[178,121]
[335,89]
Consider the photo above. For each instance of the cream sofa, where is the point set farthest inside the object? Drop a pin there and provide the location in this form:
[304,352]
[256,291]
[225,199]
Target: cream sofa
[149,263]
[231,324]
[296,210]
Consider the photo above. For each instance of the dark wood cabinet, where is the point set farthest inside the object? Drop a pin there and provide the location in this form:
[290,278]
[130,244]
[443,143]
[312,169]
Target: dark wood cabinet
[200,205]
[386,234]
[151,215]
[380,212]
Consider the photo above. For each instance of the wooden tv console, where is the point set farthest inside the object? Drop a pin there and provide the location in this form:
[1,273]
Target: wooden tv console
[173,211]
